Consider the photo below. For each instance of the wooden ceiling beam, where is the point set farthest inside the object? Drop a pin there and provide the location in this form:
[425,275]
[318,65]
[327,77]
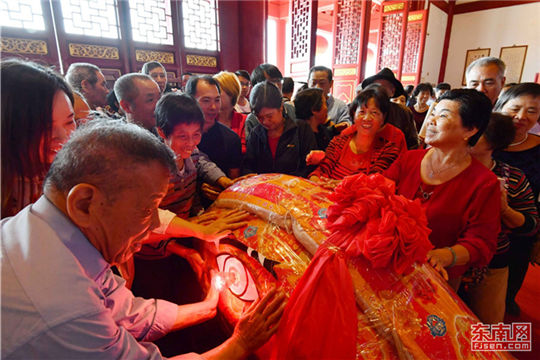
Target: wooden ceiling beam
[486,5]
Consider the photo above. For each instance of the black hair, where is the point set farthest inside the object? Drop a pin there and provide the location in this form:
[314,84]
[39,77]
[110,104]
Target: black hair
[242,73]
[265,95]
[443,86]
[307,101]
[304,86]
[103,152]
[186,73]
[375,92]
[191,85]
[321,68]
[28,91]
[258,74]
[523,89]
[423,87]
[288,85]
[173,109]
[112,101]
[474,110]
[500,131]
[408,89]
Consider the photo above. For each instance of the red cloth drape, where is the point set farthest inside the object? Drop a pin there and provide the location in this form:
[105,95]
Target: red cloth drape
[369,220]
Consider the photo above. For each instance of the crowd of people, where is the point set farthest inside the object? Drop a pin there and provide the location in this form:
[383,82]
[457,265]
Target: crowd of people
[93,178]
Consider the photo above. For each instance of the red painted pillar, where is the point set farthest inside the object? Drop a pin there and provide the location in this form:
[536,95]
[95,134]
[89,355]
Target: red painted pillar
[364,39]
[403,39]
[251,33]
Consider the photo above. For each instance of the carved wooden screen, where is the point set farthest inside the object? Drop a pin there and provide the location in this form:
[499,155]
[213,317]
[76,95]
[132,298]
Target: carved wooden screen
[119,36]
[89,31]
[200,35]
[414,47]
[395,45]
[347,35]
[154,30]
[390,35]
[26,31]
[303,15]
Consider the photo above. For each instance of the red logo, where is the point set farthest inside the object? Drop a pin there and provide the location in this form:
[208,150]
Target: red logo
[501,337]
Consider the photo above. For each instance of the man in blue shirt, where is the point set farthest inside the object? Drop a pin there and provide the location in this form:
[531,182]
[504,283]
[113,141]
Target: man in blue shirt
[60,298]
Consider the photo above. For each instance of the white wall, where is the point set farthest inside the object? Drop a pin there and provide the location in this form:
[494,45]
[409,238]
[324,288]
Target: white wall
[436,28]
[496,28]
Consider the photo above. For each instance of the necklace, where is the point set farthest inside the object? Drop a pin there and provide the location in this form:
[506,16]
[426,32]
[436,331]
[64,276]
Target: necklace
[425,194]
[434,172]
[520,142]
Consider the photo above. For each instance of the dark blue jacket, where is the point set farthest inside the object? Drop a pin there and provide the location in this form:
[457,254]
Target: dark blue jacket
[294,144]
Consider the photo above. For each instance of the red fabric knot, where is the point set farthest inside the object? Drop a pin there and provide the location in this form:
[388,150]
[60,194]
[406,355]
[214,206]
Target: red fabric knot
[367,218]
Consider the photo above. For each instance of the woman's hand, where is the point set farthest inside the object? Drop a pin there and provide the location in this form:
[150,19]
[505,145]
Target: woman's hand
[341,126]
[438,258]
[324,182]
[213,227]
[510,217]
[315,157]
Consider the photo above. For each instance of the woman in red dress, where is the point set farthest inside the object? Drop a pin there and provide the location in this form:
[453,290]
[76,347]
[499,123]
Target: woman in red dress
[461,197]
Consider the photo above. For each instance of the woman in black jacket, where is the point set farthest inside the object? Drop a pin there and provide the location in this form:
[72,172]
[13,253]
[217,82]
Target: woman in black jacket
[277,144]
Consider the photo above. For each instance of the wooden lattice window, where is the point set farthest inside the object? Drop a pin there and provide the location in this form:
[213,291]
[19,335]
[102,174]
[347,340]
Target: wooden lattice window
[25,14]
[151,21]
[347,32]
[200,22]
[90,18]
[390,41]
[301,28]
[414,40]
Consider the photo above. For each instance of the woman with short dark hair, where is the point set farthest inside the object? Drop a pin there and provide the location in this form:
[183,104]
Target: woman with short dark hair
[368,146]
[460,195]
[522,103]
[37,119]
[277,144]
[485,290]
[422,93]
[310,106]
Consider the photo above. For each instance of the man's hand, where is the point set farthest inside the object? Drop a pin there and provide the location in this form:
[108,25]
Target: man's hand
[260,321]
[254,329]
[196,313]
